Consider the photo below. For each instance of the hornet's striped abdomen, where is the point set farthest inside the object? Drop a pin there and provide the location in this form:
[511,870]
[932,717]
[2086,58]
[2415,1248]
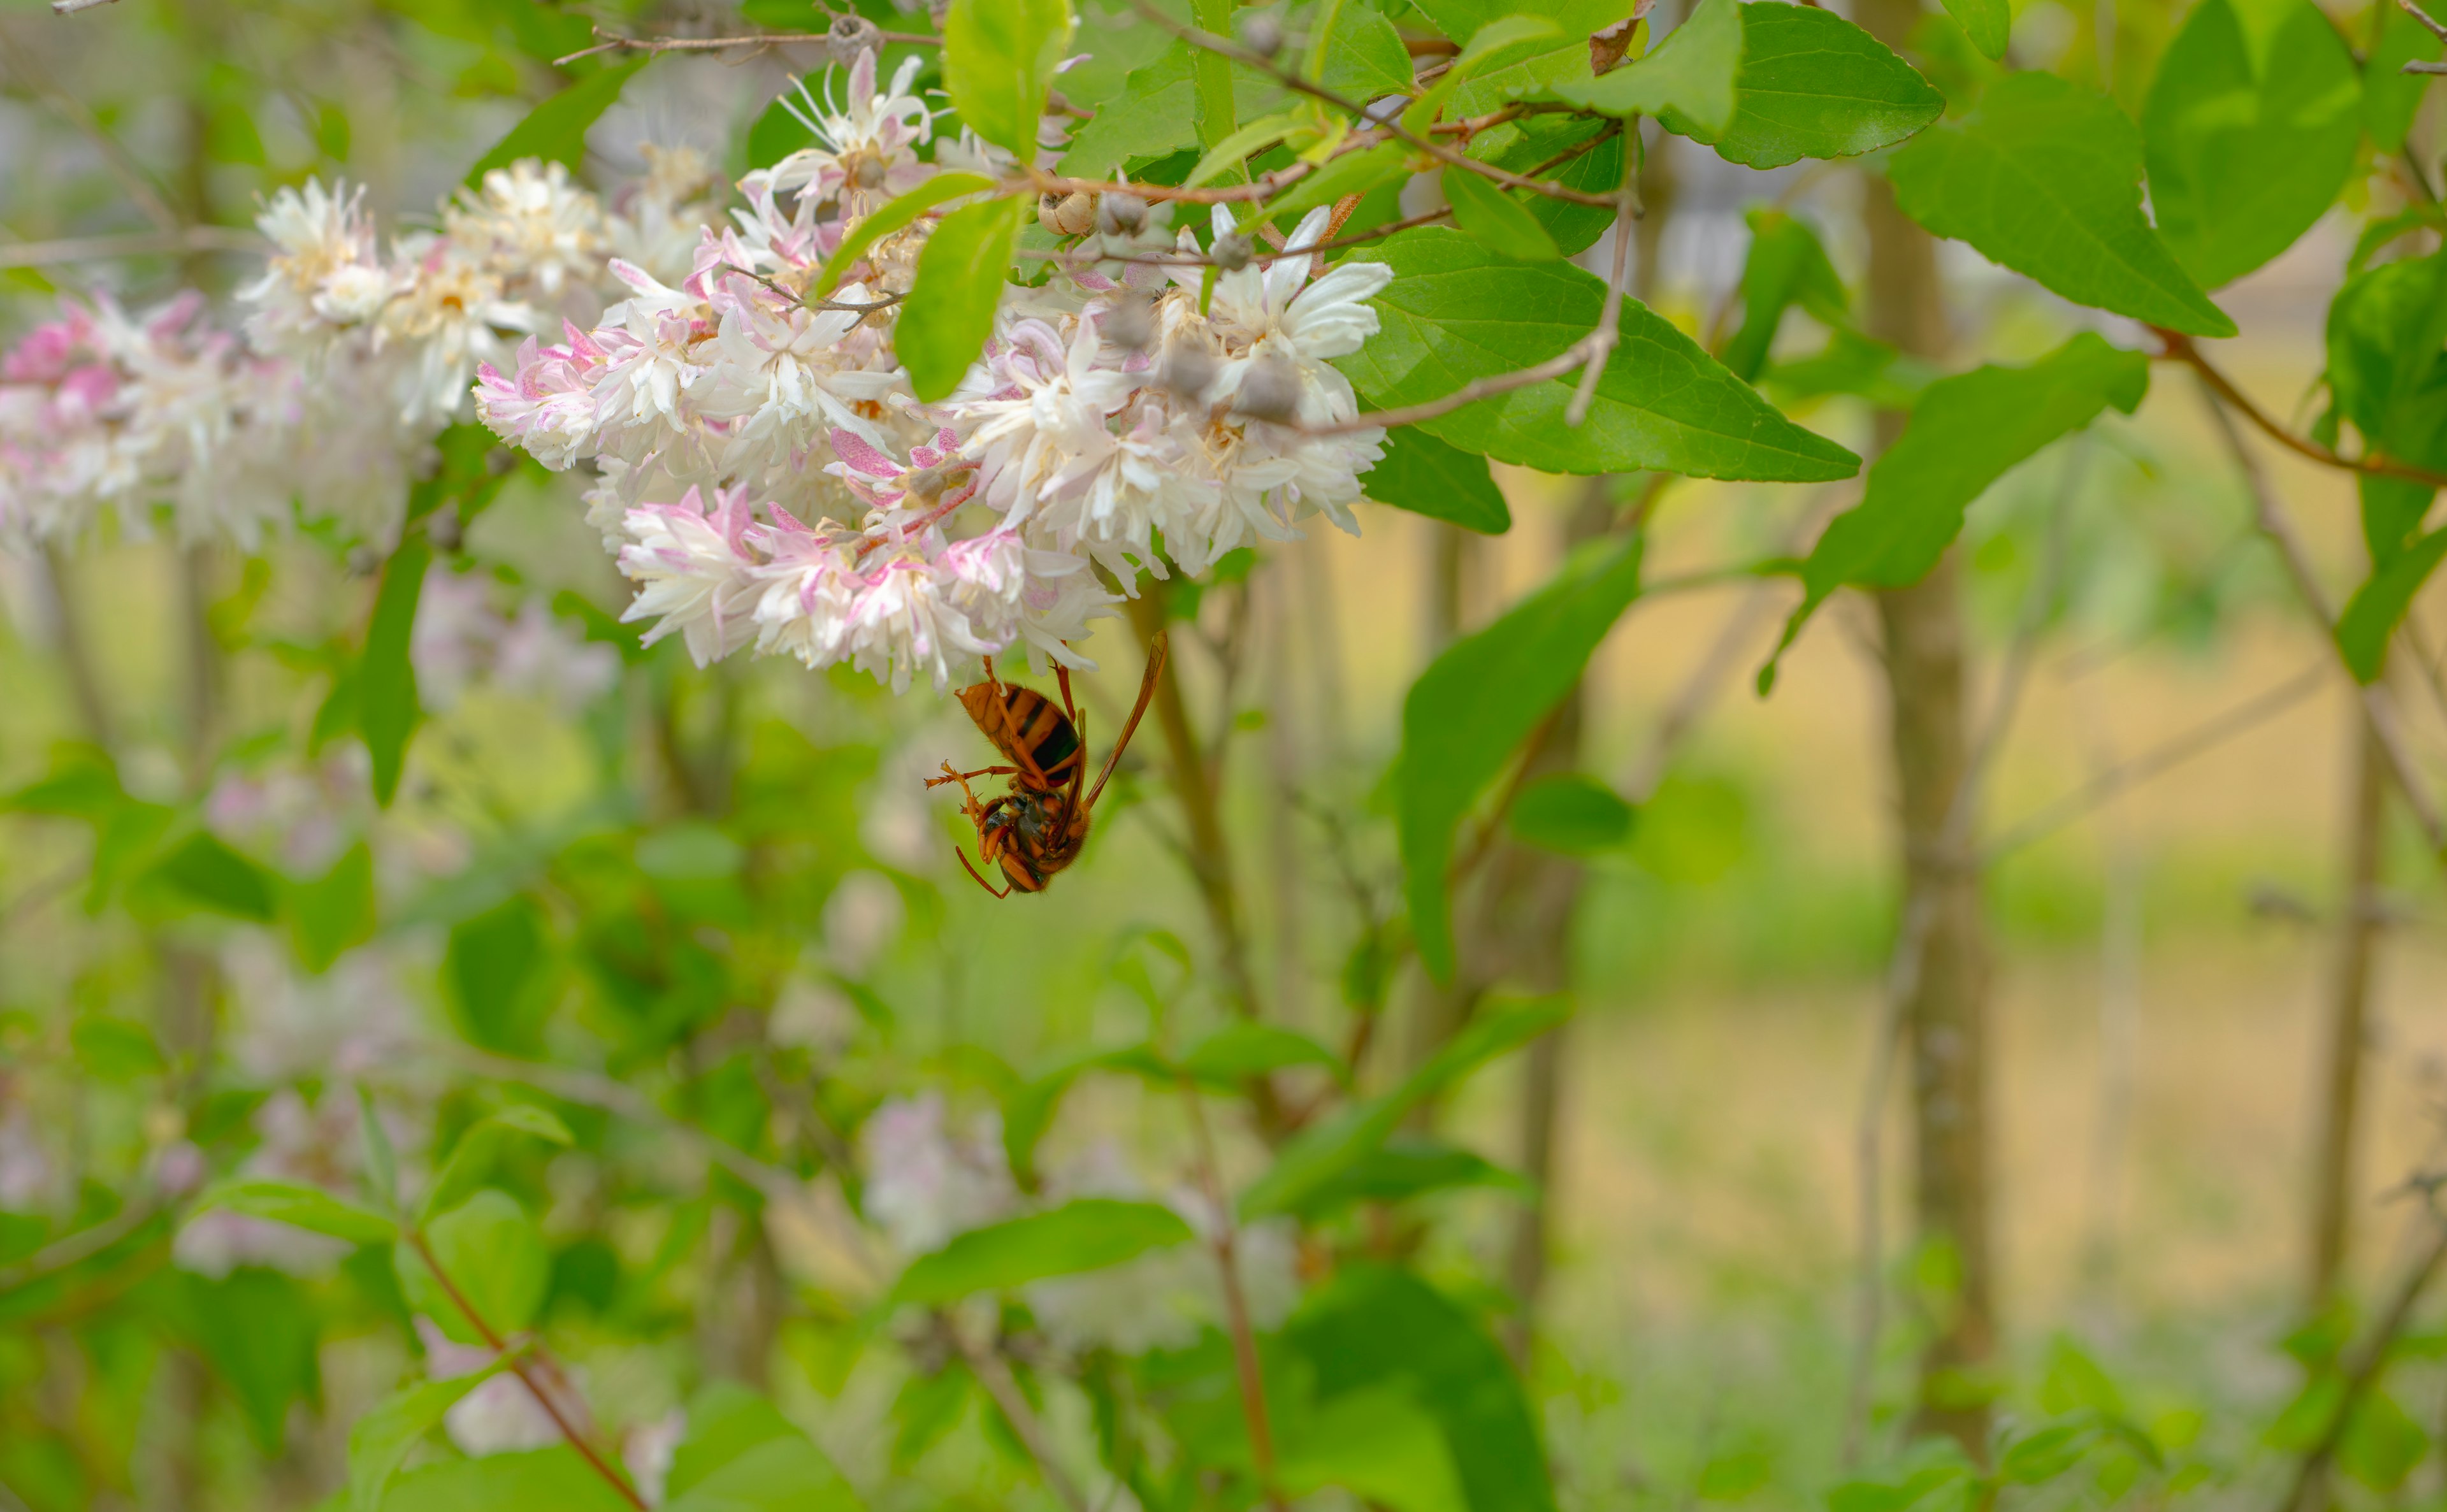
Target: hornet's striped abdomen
[1027,728]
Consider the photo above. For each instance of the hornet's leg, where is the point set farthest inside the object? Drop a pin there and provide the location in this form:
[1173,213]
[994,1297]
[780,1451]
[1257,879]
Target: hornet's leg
[971,867]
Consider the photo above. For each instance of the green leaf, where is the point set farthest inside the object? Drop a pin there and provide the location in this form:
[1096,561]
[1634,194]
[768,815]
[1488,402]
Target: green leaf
[2381,1443]
[951,308]
[1967,432]
[495,1258]
[259,1329]
[1226,156]
[1496,219]
[379,1441]
[113,1049]
[2391,96]
[1461,20]
[1854,363]
[893,214]
[1576,227]
[1455,312]
[494,970]
[1570,815]
[1474,705]
[1087,1235]
[2252,125]
[386,682]
[1154,115]
[1811,84]
[1500,43]
[307,1207]
[556,130]
[473,1157]
[1354,173]
[742,1455]
[2387,361]
[207,873]
[1314,1161]
[554,1478]
[1378,1443]
[999,61]
[1356,52]
[1238,1052]
[2378,606]
[1427,477]
[382,1161]
[1787,266]
[2045,178]
[1374,1326]
[334,911]
[1989,23]
[1692,73]
[1407,1166]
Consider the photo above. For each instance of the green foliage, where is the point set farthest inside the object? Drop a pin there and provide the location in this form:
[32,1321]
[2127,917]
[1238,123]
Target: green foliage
[556,130]
[2252,124]
[1691,75]
[1456,313]
[1431,478]
[895,214]
[741,1455]
[1476,703]
[205,872]
[329,914]
[486,1258]
[2045,178]
[951,308]
[1087,1235]
[1989,23]
[471,1159]
[1811,84]
[495,966]
[306,1207]
[1570,815]
[385,685]
[1787,266]
[1155,115]
[380,1441]
[1963,435]
[999,61]
[1355,51]
[259,1329]
[1496,219]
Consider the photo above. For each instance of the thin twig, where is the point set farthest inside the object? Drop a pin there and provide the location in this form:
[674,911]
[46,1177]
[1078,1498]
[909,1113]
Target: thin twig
[2378,706]
[1199,259]
[988,1366]
[2179,347]
[134,244]
[610,42]
[802,302]
[123,166]
[2369,1360]
[1609,330]
[1236,1303]
[1468,393]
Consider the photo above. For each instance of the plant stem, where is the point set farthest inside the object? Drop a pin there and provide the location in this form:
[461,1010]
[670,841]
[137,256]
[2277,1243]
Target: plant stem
[2359,925]
[2369,1360]
[1236,1302]
[987,1364]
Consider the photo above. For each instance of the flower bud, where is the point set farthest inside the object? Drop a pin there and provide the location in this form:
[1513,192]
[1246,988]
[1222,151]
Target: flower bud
[1232,252]
[850,35]
[1129,324]
[1270,391]
[1189,372]
[1262,34]
[1072,215]
[1119,215]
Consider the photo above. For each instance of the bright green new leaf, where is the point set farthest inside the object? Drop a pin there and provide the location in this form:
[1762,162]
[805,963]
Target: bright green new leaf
[556,130]
[1356,52]
[2251,126]
[1499,44]
[495,1258]
[473,1157]
[1456,312]
[999,61]
[1692,73]
[1811,84]
[1354,173]
[1375,1326]
[2381,1443]
[1378,1443]
[329,914]
[1088,1235]
[205,872]
[1787,266]
[113,1049]
[1427,477]
[1966,433]
[742,1455]
[894,214]
[307,1207]
[2387,376]
[951,308]
[386,705]
[379,1441]
[2378,606]
[2045,178]
[1475,704]
[1324,1155]
[1227,155]
[1237,1052]
[1571,815]
[1989,23]
[1496,219]
[1154,115]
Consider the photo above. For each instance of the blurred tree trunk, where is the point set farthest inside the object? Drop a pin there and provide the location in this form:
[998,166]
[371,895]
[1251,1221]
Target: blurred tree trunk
[2359,923]
[1945,1015]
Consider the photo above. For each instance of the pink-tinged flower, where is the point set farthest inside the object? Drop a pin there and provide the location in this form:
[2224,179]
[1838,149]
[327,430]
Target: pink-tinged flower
[695,571]
[548,407]
[863,148]
[942,480]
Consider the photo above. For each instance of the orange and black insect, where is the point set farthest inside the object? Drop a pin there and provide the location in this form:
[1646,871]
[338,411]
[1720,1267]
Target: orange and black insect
[1036,828]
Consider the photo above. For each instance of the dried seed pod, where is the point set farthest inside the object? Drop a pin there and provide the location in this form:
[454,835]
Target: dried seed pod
[1129,324]
[1119,215]
[851,34]
[1270,391]
[1262,34]
[1072,214]
[1232,252]
[1189,372]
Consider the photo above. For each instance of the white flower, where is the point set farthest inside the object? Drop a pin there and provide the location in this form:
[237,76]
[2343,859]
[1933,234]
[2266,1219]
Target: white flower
[924,1183]
[863,146]
[529,222]
[695,571]
[325,276]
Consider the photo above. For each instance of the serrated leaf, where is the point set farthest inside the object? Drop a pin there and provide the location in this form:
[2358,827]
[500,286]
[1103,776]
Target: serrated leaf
[1989,23]
[999,61]
[1693,73]
[2045,178]
[1966,433]
[893,214]
[306,1207]
[1431,478]
[1456,312]
[1577,227]
[1503,223]
[2252,125]
[1474,705]
[1811,84]
[1086,1234]
[206,872]
[1357,51]
[1354,173]
[951,308]
[554,131]
[379,1441]
[386,680]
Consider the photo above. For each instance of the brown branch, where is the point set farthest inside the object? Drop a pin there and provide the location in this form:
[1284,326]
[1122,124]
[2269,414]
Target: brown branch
[1236,1303]
[1468,393]
[2179,347]
[2437,29]
[519,1367]
[802,302]
[610,42]
[987,1364]
[1183,259]
[1609,330]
